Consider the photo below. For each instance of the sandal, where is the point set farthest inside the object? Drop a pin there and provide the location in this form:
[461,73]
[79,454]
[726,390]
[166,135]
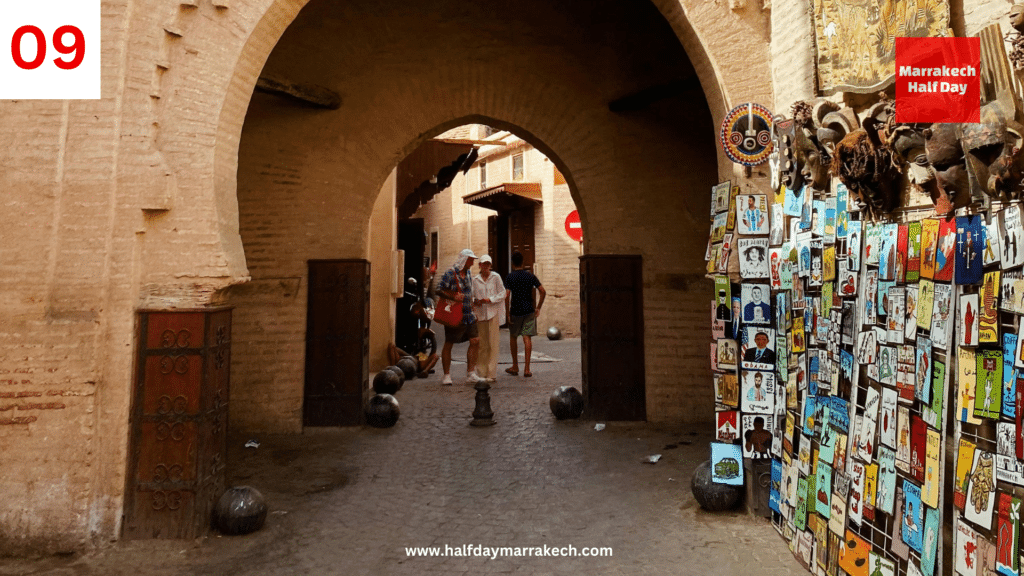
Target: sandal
[512,371]
[527,374]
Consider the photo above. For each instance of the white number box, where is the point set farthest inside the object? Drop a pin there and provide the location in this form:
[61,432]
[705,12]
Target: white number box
[37,62]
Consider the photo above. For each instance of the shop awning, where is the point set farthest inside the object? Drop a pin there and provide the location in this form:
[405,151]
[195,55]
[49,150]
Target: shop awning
[506,197]
[427,171]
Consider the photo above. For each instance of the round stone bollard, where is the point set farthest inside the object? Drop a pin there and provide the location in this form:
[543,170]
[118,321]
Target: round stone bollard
[713,497]
[554,333]
[409,366]
[382,411]
[386,382]
[566,402]
[401,375]
[240,510]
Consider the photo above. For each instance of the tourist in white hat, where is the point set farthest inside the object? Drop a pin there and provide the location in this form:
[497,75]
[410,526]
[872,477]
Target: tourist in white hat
[489,308]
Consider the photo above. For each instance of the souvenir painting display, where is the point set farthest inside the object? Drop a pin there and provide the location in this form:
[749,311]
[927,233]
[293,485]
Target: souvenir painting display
[720,197]
[752,215]
[758,348]
[754,303]
[753,253]
[726,464]
[880,292]
[991,252]
[968,321]
[969,246]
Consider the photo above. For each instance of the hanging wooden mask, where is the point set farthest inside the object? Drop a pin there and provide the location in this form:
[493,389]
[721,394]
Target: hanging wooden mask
[909,146]
[813,163]
[992,153]
[946,160]
[864,164]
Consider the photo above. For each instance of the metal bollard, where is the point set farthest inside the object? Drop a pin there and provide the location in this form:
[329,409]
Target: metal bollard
[482,415]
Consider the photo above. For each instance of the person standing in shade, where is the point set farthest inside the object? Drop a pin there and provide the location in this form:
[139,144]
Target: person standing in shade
[522,313]
[489,308]
[457,285]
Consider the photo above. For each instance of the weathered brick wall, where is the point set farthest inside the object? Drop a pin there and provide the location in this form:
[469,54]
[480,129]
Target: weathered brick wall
[973,16]
[80,254]
[559,259]
[382,242]
[792,53]
[289,213]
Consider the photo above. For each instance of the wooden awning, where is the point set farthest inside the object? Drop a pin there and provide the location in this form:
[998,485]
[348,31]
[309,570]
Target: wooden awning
[427,171]
[506,197]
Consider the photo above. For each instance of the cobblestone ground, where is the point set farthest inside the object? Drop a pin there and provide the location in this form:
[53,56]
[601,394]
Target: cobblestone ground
[351,501]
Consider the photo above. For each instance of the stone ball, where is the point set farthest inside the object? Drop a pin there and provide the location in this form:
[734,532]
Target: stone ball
[409,366]
[713,497]
[554,333]
[382,411]
[566,402]
[386,382]
[401,375]
[240,510]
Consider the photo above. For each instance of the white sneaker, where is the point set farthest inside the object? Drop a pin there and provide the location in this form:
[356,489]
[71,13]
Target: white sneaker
[447,380]
[474,378]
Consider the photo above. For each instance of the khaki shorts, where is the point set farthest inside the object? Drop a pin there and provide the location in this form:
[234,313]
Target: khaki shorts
[461,333]
[523,325]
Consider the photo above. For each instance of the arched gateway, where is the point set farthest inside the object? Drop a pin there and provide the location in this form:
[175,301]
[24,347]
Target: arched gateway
[182,182]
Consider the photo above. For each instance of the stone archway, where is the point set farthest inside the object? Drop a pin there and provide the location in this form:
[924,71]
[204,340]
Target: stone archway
[400,80]
[152,168]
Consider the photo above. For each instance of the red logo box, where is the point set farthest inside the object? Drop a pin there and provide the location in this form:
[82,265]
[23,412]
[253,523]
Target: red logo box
[938,80]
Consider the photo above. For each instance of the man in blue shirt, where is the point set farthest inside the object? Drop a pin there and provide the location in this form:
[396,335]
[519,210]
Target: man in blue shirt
[457,285]
[757,311]
[522,314]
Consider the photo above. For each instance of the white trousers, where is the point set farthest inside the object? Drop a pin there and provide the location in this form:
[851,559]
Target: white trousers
[487,360]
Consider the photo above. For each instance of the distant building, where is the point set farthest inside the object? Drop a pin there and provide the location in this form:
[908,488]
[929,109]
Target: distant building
[512,198]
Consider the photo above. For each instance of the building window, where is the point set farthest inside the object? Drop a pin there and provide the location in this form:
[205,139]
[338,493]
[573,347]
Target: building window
[483,175]
[517,167]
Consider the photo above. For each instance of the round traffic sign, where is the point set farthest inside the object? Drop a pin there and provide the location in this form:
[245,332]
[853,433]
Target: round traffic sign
[573,227]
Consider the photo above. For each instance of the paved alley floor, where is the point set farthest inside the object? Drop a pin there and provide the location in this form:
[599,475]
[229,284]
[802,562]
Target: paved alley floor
[352,501]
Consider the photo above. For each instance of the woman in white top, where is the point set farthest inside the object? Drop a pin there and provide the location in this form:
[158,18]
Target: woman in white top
[489,307]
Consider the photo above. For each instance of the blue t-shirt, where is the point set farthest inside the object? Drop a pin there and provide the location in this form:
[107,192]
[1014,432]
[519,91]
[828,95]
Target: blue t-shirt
[521,284]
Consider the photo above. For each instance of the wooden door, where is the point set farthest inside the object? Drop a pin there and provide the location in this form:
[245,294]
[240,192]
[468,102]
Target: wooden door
[178,450]
[520,232]
[337,343]
[412,240]
[498,243]
[611,322]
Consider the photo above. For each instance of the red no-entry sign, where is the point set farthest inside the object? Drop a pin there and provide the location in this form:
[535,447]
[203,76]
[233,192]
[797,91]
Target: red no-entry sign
[573,227]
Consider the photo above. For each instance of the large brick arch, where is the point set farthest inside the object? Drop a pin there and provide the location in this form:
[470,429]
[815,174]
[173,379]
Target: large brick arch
[728,49]
[640,177]
[132,201]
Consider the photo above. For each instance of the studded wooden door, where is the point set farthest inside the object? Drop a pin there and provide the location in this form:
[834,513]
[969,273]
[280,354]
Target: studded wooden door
[337,343]
[521,234]
[178,422]
[612,327]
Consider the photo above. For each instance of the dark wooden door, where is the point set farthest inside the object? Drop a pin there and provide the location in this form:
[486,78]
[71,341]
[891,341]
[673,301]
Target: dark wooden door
[179,415]
[611,322]
[337,343]
[412,240]
[520,234]
[498,243]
